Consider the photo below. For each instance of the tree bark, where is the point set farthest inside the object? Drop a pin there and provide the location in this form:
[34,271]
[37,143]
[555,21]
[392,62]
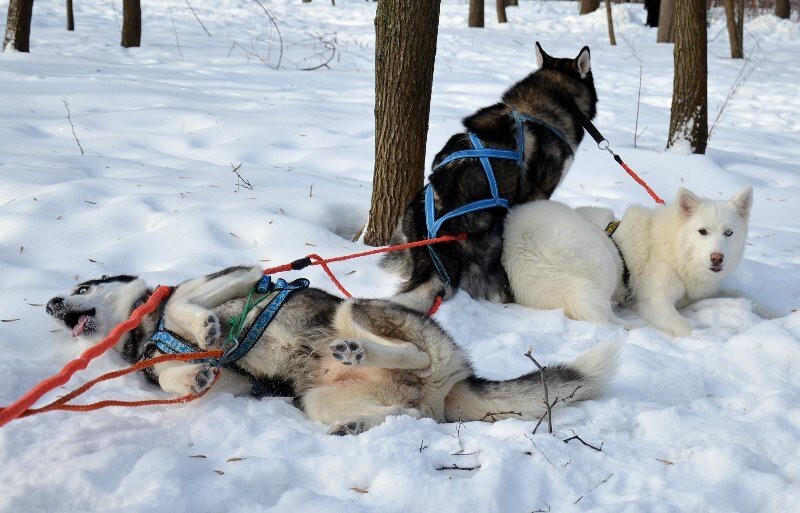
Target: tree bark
[666,18]
[131,23]
[475,18]
[782,9]
[501,11]
[588,6]
[405,50]
[18,25]
[512,3]
[689,115]
[70,16]
[734,16]
[611,39]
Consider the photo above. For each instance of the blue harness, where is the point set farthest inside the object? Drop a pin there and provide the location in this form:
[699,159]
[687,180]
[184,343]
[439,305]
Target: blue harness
[484,154]
[169,343]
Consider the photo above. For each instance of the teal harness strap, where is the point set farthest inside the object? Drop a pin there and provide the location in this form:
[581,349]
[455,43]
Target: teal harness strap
[170,343]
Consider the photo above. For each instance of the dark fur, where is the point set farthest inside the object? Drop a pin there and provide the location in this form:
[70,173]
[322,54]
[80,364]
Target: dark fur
[556,94]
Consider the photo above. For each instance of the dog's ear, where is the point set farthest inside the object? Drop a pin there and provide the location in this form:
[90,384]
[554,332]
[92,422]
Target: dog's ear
[583,62]
[491,123]
[687,201]
[542,59]
[104,277]
[743,201]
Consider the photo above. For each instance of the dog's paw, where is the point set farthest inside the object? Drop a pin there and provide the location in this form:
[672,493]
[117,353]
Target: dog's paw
[209,335]
[679,329]
[347,428]
[349,352]
[187,379]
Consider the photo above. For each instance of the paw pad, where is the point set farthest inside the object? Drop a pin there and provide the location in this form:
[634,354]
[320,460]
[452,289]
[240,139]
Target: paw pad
[349,352]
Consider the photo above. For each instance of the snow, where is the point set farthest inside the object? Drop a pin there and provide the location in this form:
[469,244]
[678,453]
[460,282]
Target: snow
[709,422]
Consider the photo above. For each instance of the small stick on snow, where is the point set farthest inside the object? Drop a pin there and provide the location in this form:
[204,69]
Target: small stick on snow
[456,467]
[274,24]
[198,18]
[576,437]
[544,385]
[240,181]
[491,415]
[69,118]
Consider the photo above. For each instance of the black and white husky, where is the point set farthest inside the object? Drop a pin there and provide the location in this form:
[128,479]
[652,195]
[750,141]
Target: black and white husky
[348,363]
[540,120]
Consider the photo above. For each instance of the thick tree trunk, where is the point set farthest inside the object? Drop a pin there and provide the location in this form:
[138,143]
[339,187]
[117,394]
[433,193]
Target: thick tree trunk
[512,3]
[734,15]
[131,23]
[18,26]
[652,7]
[70,16]
[501,11]
[588,6]
[666,17]
[611,38]
[782,9]
[689,115]
[475,18]
[405,49]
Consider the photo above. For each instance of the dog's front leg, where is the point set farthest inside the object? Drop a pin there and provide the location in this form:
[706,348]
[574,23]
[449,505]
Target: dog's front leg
[191,315]
[184,378]
[400,355]
[661,313]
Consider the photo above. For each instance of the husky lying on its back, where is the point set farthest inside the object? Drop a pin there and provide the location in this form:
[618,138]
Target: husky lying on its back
[540,117]
[348,363]
[657,259]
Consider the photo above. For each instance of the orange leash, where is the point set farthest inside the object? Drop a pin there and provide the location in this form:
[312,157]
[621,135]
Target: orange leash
[16,409]
[22,407]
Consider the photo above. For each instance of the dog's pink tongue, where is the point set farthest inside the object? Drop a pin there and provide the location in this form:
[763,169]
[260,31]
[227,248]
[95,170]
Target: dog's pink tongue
[78,329]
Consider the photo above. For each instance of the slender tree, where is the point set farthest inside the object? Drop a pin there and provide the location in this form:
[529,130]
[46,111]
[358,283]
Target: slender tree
[611,39]
[588,6]
[131,23]
[501,11]
[18,26]
[653,7]
[666,16]
[782,9]
[70,16]
[512,3]
[689,115]
[405,50]
[734,15]
[475,18]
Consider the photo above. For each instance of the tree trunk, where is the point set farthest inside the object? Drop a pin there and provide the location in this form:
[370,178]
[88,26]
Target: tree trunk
[501,11]
[131,23]
[689,115]
[588,6]
[611,38]
[70,16]
[735,22]
[475,18]
[405,49]
[782,9]
[512,3]
[652,7]
[18,25]
[666,18]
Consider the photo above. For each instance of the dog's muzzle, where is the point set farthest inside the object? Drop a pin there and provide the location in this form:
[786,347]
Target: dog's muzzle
[55,308]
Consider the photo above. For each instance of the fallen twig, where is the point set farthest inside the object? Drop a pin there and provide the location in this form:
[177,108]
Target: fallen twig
[278,30]
[198,18]
[544,385]
[69,118]
[581,440]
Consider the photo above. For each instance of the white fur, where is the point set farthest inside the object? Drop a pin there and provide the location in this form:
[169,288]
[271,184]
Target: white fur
[556,257]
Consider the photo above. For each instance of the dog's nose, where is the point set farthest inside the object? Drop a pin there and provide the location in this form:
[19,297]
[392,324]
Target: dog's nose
[55,306]
[717,258]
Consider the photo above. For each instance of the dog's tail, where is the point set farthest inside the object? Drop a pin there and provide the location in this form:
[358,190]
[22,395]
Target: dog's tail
[585,378]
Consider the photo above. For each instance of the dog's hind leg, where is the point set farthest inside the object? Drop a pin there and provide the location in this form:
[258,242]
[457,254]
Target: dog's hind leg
[399,355]
[350,408]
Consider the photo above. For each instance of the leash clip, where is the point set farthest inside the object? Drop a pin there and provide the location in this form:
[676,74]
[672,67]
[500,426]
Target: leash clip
[234,345]
[606,147]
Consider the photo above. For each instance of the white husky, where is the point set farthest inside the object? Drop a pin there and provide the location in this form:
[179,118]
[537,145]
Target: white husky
[656,259]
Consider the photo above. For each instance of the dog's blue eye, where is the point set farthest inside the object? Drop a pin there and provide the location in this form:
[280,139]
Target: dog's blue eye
[728,233]
[702,231]
[83,290]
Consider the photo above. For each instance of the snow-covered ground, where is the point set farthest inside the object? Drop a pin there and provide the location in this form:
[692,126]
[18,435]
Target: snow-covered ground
[709,422]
